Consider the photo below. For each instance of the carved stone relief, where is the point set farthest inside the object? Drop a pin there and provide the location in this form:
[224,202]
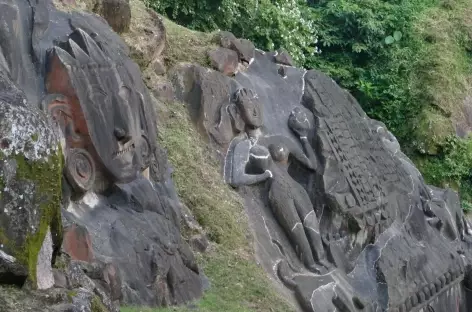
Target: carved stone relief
[341,216]
[73,68]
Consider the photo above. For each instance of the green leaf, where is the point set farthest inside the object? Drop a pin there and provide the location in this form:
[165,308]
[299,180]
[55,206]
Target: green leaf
[397,35]
[389,40]
[359,47]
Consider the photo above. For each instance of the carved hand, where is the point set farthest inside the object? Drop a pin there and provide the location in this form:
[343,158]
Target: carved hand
[300,132]
[298,122]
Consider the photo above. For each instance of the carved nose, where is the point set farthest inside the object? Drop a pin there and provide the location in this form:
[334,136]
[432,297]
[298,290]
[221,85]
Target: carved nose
[121,135]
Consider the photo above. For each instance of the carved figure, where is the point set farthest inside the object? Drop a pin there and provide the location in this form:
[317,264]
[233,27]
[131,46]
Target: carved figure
[101,114]
[396,243]
[248,113]
[290,204]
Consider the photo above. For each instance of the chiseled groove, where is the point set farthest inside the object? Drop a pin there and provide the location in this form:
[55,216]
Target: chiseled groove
[433,297]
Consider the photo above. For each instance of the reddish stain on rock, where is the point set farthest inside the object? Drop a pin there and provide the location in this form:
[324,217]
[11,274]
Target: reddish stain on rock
[113,279]
[224,60]
[77,243]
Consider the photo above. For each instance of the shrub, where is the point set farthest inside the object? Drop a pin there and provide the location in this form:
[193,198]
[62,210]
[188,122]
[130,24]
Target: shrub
[270,24]
[451,168]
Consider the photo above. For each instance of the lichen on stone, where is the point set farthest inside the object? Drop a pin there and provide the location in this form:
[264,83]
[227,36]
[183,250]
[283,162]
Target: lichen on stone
[97,305]
[71,294]
[30,183]
[46,176]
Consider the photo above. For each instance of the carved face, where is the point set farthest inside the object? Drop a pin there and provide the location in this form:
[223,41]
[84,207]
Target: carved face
[298,121]
[260,158]
[114,127]
[250,108]
[279,152]
[108,110]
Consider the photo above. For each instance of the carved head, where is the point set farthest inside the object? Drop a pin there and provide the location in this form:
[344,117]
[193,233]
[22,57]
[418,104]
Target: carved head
[103,107]
[259,157]
[279,152]
[249,107]
[298,121]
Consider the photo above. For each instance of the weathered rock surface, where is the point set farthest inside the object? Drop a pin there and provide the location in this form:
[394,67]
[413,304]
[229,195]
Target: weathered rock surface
[77,243]
[44,271]
[243,47]
[282,57]
[117,13]
[375,237]
[121,241]
[30,171]
[224,60]
[129,229]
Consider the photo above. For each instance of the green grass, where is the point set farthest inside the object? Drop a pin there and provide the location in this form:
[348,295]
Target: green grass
[441,77]
[237,283]
[185,45]
[200,185]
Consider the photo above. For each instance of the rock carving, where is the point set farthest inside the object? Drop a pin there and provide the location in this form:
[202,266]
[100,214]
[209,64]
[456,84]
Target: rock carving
[248,112]
[391,242]
[290,204]
[98,110]
[68,84]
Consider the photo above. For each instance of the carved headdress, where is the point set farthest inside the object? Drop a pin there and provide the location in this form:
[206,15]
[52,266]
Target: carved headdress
[106,103]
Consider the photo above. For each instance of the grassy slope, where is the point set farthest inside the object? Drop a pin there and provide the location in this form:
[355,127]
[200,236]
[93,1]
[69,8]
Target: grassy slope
[443,80]
[237,283]
[442,77]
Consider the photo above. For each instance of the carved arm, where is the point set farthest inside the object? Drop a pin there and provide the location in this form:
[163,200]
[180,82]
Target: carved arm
[238,173]
[309,151]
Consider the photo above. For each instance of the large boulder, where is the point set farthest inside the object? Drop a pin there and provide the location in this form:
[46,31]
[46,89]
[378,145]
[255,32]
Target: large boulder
[137,229]
[117,13]
[341,216]
[120,211]
[224,60]
[30,182]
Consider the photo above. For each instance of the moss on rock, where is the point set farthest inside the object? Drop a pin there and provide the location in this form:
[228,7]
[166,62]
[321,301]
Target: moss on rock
[45,175]
[31,174]
[71,294]
[97,305]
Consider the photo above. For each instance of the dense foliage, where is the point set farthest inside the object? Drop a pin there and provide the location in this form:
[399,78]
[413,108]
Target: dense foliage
[269,24]
[406,61]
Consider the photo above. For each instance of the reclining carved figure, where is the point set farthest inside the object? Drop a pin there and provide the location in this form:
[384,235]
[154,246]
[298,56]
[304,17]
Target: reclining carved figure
[290,204]
[250,162]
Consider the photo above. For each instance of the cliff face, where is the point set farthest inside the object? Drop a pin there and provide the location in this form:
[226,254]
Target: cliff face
[340,215]
[66,79]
